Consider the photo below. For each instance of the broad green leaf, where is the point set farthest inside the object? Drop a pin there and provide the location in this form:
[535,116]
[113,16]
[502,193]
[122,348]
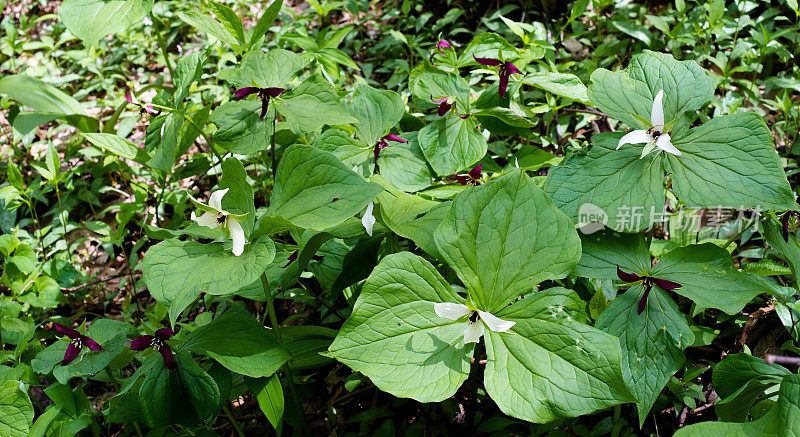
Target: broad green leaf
[504,238]
[612,184]
[730,161]
[239,342]
[487,45]
[412,216]
[623,94]
[110,334]
[269,394]
[427,81]
[240,127]
[163,398]
[788,249]
[652,342]
[118,146]
[176,272]
[533,158]
[343,146]
[377,111]
[48,102]
[605,250]
[229,20]
[560,84]
[513,116]
[708,277]
[313,104]
[735,370]
[194,17]
[451,144]
[92,20]
[395,338]
[546,368]
[782,420]
[403,165]
[272,69]
[165,141]
[187,70]
[315,190]
[202,390]
[16,410]
[239,198]
[264,23]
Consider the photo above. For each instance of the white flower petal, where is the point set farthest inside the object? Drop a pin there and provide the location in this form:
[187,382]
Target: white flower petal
[368,220]
[635,137]
[449,310]
[237,234]
[216,199]
[208,219]
[495,324]
[473,333]
[665,143]
[657,113]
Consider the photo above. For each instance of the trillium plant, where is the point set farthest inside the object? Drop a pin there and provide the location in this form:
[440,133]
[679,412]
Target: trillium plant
[399,216]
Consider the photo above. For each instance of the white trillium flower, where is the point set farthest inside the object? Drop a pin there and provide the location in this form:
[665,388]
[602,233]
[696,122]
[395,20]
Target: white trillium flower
[655,136]
[476,320]
[215,217]
[368,220]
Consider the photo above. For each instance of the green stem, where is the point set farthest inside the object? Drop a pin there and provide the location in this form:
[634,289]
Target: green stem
[63,222]
[235,424]
[272,147]
[273,318]
[113,379]
[163,45]
[737,235]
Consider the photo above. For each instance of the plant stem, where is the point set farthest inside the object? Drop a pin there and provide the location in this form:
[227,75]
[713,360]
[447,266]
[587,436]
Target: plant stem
[272,147]
[63,222]
[737,235]
[113,379]
[162,45]
[273,318]
[235,424]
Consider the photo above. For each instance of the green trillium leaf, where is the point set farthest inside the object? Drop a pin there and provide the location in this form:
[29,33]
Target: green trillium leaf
[263,70]
[621,94]
[311,105]
[504,238]
[176,272]
[730,161]
[652,342]
[395,338]
[16,410]
[315,190]
[451,144]
[609,186]
[377,111]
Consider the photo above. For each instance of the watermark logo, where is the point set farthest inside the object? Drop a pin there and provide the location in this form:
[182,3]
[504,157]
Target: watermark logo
[591,218]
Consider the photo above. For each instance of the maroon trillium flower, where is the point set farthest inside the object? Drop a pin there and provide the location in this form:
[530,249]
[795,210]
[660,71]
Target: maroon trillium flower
[440,46]
[157,342]
[264,93]
[471,178]
[145,108]
[647,283]
[785,222]
[382,143]
[444,105]
[506,70]
[77,342]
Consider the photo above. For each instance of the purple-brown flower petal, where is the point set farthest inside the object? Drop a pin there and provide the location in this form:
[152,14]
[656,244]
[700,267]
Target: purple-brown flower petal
[665,285]
[475,173]
[141,342]
[643,301]
[512,69]
[91,344]
[246,91]
[785,223]
[69,332]
[273,91]
[164,333]
[71,353]
[169,360]
[291,258]
[487,61]
[503,85]
[628,277]
[442,44]
[128,97]
[393,137]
